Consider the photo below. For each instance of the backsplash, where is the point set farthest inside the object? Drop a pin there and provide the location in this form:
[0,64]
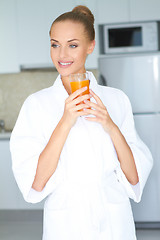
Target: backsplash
[15,88]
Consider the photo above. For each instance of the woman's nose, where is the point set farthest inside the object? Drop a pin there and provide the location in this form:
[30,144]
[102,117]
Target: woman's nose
[63,52]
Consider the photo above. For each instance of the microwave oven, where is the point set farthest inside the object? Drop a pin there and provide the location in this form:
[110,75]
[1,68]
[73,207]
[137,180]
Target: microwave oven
[131,37]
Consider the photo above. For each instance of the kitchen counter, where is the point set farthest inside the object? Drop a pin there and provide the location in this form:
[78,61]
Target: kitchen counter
[5,135]
[11,197]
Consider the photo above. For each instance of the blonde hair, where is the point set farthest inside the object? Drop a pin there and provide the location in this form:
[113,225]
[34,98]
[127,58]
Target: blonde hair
[80,14]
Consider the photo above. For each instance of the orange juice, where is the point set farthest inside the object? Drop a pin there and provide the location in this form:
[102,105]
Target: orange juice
[80,84]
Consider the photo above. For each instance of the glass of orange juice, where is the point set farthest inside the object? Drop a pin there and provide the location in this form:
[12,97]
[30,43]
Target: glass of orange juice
[78,81]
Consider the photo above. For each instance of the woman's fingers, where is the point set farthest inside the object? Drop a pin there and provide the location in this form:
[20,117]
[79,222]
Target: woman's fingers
[94,105]
[74,106]
[77,97]
[98,114]
[81,99]
[98,100]
[76,93]
[80,107]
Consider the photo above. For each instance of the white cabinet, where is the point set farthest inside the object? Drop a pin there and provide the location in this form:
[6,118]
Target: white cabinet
[118,11]
[9,191]
[11,198]
[144,10]
[8,37]
[114,11]
[32,47]
[34,21]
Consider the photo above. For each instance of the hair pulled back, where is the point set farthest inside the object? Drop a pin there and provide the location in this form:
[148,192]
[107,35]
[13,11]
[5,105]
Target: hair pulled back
[80,14]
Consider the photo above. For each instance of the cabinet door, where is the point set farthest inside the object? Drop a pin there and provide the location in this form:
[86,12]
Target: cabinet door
[8,37]
[34,21]
[114,11]
[11,197]
[9,192]
[31,32]
[141,10]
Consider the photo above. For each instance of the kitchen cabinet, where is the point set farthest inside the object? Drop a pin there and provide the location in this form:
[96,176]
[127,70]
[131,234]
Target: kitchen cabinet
[8,37]
[127,11]
[115,11]
[142,10]
[34,21]
[31,34]
[11,197]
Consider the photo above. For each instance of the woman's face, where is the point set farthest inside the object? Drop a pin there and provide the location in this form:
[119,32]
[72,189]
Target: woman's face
[69,47]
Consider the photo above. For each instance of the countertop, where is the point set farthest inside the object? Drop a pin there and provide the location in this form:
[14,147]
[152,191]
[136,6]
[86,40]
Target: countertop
[5,135]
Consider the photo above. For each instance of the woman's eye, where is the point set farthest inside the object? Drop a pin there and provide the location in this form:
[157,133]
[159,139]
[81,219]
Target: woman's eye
[73,46]
[54,45]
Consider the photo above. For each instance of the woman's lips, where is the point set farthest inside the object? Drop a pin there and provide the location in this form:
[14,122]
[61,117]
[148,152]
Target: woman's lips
[65,64]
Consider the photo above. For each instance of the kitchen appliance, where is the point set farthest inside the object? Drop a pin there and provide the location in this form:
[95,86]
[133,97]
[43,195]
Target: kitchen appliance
[131,37]
[138,75]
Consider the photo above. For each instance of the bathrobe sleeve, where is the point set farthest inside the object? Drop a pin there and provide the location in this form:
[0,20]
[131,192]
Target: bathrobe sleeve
[26,144]
[140,151]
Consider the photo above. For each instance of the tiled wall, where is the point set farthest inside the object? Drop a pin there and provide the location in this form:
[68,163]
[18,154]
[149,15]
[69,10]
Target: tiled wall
[15,88]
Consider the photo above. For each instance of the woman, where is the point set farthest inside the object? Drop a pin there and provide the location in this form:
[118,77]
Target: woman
[87,163]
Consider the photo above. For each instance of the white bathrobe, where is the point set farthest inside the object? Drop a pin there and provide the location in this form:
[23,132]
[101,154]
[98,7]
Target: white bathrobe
[88,194]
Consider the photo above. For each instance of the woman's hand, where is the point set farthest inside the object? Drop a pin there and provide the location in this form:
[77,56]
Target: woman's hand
[74,107]
[100,113]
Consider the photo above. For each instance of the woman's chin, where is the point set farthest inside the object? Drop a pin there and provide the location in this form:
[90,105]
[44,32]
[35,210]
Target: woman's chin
[66,72]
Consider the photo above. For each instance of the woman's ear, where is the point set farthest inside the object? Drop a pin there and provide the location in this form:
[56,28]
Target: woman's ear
[91,47]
